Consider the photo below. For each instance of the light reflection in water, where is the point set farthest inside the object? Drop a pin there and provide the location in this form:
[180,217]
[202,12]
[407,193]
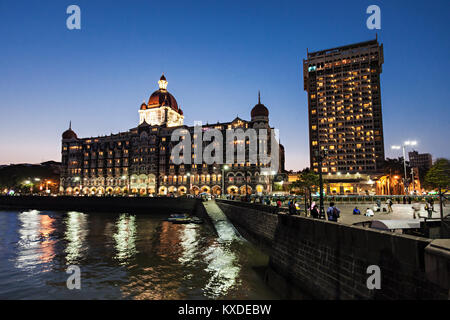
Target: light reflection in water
[125,238]
[223,263]
[224,269]
[189,243]
[35,246]
[76,232]
[28,245]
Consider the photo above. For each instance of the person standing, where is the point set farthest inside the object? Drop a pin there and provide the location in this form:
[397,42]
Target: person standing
[389,205]
[315,212]
[429,209]
[278,203]
[431,203]
[416,208]
[333,213]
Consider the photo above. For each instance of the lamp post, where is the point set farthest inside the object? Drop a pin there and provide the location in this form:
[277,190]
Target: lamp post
[188,175]
[78,179]
[403,146]
[320,157]
[225,167]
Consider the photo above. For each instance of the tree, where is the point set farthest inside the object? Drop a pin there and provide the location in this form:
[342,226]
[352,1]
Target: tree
[307,181]
[438,177]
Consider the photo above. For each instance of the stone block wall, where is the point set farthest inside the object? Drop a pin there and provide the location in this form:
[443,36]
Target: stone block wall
[329,260]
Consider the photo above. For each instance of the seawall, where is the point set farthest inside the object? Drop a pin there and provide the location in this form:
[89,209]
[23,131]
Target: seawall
[329,260]
[103,204]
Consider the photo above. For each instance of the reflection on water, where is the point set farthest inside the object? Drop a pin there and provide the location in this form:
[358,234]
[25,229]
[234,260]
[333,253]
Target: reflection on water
[28,245]
[223,268]
[35,245]
[124,257]
[189,243]
[76,232]
[125,238]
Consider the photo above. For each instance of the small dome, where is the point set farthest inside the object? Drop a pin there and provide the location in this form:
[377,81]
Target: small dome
[69,134]
[143,106]
[259,110]
[180,111]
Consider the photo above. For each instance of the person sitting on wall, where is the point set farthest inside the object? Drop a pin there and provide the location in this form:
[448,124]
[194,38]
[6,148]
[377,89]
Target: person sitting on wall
[356,211]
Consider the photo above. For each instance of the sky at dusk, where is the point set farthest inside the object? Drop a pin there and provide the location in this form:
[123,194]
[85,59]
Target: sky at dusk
[216,55]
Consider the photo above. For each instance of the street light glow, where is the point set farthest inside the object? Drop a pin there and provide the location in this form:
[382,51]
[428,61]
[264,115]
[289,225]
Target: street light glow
[411,143]
[395,147]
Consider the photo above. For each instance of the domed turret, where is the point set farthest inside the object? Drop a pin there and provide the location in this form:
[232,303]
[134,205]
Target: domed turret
[69,133]
[161,108]
[259,110]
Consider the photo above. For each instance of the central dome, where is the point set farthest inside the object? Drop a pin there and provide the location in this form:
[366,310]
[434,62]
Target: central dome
[161,97]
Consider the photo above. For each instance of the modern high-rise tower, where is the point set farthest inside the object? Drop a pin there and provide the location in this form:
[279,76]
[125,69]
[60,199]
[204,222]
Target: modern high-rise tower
[344,107]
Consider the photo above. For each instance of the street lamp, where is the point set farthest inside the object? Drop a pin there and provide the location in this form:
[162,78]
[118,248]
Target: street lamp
[406,143]
[320,157]
[225,167]
[190,184]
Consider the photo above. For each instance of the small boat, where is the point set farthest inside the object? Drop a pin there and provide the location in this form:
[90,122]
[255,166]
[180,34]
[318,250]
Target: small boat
[184,218]
[181,220]
[178,216]
[196,220]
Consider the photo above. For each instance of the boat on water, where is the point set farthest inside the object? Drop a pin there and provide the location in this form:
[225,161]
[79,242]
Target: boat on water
[196,220]
[177,216]
[184,218]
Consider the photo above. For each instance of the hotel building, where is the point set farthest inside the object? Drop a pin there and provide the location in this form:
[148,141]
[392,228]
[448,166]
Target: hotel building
[139,160]
[344,109]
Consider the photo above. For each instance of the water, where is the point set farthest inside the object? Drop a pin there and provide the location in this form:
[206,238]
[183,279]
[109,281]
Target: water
[124,256]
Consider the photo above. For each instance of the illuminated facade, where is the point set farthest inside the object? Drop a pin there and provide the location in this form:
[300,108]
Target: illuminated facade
[344,107]
[139,161]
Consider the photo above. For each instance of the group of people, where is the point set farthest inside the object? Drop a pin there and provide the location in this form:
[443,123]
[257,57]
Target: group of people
[333,212]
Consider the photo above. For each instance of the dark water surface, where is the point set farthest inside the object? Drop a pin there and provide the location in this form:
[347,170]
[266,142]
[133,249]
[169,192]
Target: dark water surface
[124,256]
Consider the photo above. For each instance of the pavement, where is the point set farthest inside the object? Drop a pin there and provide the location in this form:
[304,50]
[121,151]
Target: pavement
[400,212]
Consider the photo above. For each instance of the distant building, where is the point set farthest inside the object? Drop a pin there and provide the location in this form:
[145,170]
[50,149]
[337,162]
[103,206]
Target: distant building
[344,108]
[139,161]
[420,160]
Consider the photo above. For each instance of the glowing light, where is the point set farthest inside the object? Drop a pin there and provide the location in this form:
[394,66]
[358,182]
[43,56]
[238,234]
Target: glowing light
[410,143]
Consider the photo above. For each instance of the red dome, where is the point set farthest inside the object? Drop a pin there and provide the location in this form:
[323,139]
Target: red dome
[143,106]
[160,98]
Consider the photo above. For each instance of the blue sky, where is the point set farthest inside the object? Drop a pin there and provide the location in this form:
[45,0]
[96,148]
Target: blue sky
[216,56]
